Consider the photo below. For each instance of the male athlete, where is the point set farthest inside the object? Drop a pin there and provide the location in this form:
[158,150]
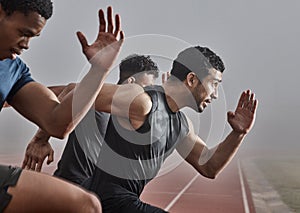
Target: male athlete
[21,20]
[146,126]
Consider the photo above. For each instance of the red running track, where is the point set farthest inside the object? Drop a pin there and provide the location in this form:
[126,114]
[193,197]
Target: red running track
[183,190]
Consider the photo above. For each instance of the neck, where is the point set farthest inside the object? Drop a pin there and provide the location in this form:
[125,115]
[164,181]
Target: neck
[175,95]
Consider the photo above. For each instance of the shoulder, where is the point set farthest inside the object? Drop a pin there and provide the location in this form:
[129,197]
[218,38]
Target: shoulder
[142,102]
[19,62]
[13,66]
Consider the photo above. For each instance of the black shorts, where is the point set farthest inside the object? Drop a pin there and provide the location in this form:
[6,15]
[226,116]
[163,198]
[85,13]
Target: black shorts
[9,176]
[116,199]
[125,204]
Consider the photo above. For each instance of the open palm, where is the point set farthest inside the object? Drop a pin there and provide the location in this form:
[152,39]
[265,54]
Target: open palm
[243,118]
[106,47]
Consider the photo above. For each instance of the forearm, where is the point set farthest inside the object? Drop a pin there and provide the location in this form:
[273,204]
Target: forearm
[75,104]
[60,92]
[216,159]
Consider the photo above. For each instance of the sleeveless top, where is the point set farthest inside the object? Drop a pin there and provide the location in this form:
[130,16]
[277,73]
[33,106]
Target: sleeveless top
[129,159]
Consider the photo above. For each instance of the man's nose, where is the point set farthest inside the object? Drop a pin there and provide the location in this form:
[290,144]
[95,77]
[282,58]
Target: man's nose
[24,44]
[215,94]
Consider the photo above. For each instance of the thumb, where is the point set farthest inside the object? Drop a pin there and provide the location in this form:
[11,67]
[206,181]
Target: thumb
[230,114]
[82,40]
[50,157]
[24,162]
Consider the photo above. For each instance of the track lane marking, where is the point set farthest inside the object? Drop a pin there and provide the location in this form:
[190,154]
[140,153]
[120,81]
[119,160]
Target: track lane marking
[171,204]
[245,200]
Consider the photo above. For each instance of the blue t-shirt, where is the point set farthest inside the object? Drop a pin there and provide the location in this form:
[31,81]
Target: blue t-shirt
[14,74]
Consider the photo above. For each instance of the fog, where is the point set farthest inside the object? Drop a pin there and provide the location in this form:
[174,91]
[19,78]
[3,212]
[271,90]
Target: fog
[257,40]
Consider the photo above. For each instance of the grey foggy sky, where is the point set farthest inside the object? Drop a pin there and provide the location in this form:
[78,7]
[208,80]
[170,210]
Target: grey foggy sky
[257,40]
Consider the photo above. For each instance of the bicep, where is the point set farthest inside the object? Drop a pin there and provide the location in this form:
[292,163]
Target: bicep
[35,102]
[121,100]
[191,147]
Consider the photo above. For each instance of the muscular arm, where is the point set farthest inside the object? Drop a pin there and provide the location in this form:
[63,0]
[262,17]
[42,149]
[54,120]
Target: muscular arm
[115,99]
[111,97]
[38,104]
[129,102]
[210,162]
[39,148]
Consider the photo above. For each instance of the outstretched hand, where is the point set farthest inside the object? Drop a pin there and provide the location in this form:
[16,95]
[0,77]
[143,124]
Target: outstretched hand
[106,47]
[243,118]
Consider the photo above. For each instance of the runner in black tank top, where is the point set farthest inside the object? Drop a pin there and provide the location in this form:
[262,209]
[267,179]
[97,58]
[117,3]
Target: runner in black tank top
[130,159]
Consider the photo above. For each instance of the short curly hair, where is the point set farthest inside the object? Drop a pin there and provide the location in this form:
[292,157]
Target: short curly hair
[134,64]
[42,7]
[196,59]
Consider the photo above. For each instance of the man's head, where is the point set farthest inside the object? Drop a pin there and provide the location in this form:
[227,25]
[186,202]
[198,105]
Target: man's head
[201,71]
[20,20]
[138,69]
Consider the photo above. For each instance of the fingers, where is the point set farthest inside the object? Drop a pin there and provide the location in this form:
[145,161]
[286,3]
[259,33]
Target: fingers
[28,165]
[33,165]
[102,21]
[24,164]
[115,30]
[39,166]
[118,25]
[50,157]
[241,100]
[254,106]
[248,101]
[82,40]
[110,26]
[122,35]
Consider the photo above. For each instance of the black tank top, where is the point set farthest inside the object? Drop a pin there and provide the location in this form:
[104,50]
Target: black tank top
[129,159]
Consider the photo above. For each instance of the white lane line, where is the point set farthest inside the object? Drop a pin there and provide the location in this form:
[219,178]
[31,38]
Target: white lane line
[180,193]
[245,200]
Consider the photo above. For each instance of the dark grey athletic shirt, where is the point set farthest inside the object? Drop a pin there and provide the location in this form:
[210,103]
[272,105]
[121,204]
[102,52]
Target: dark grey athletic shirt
[129,159]
[80,155]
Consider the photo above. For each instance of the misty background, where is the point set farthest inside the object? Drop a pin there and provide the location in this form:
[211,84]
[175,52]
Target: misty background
[257,40]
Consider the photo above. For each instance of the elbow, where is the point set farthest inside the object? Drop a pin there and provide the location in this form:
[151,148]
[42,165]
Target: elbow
[58,131]
[58,134]
[208,171]
[209,175]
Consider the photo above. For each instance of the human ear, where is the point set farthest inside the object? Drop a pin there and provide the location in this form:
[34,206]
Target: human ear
[131,80]
[191,78]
